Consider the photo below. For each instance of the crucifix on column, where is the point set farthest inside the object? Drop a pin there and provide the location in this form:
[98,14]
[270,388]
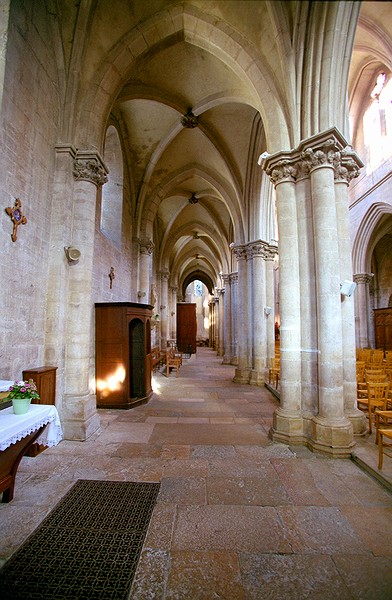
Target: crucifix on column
[17,217]
[111,276]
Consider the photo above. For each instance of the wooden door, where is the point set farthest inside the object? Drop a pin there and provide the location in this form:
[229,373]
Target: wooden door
[383,327]
[186,327]
[137,359]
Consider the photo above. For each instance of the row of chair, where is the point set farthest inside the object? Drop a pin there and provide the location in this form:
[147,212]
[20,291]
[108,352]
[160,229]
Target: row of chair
[374,396]
[171,358]
[374,393]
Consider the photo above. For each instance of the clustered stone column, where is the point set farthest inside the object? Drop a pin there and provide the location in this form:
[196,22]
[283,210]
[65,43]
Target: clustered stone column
[269,256]
[173,312]
[221,321]
[259,314]
[79,415]
[228,341]
[342,178]
[314,254]
[211,307]
[362,303]
[164,306]
[217,323]
[234,320]
[59,269]
[146,248]
[254,315]
[242,371]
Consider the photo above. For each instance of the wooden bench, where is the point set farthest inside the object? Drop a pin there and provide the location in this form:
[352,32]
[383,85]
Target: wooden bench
[173,361]
[157,358]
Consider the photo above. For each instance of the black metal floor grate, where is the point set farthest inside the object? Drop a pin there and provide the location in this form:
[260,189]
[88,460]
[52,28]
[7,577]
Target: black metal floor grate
[88,547]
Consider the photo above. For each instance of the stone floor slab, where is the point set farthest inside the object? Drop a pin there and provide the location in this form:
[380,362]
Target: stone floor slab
[281,522]
[299,577]
[232,528]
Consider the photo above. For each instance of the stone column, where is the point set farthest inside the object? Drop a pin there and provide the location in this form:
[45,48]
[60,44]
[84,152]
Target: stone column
[216,321]
[234,320]
[310,255]
[211,305]
[228,346]
[173,311]
[288,425]
[345,170]
[146,248]
[164,311]
[270,253]
[307,274]
[242,371]
[260,314]
[362,305]
[331,431]
[221,337]
[79,415]
[59,269]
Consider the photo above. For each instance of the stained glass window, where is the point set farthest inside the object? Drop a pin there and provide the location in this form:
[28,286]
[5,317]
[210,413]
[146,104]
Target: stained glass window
[198,288]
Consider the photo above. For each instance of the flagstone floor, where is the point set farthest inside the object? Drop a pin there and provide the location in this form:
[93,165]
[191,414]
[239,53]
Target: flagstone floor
[238,516]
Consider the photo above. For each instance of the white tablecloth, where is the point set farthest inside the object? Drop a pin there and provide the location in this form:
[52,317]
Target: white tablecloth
[15,427]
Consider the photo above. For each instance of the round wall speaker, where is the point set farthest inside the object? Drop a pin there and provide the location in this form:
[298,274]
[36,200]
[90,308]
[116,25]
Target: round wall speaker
[73,254]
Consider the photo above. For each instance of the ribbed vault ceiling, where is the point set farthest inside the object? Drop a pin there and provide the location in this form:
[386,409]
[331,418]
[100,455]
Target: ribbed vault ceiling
[190,182]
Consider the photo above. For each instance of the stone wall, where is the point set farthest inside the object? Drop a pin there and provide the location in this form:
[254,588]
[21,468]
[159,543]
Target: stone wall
[29,129]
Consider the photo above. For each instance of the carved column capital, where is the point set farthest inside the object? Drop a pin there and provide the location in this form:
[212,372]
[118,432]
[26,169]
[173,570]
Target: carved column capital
[146,246]
[328,148]
[283,170]
[239,251]
[165,274]
[271,251]
[89,166]
[346,165]
[256,248]
[363,277]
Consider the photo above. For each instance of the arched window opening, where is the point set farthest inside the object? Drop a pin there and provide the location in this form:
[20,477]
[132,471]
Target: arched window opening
[198,288]
[112,191]
[377,124]
[197,293]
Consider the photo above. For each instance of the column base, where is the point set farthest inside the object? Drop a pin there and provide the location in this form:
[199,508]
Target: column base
[287,428]
[79,419]
[359,422]
[257,378]
[332,436]
[241,375]
[227,360]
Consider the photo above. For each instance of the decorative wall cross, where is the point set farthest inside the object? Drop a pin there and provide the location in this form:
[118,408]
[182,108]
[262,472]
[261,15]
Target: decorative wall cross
[16,217]
[111,276]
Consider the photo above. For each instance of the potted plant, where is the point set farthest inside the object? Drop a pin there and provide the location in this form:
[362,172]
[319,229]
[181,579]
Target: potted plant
[22,393]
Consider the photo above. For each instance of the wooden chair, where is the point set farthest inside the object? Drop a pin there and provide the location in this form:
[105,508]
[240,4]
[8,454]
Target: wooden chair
[172,362]
[364,354]
[377,398]
[382,420]
[274,371]
[360,367]
[384,440]
[376,358]
[157,358]
[371,375]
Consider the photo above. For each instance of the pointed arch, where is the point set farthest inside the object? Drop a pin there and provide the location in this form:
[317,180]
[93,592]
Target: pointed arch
[369,233]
